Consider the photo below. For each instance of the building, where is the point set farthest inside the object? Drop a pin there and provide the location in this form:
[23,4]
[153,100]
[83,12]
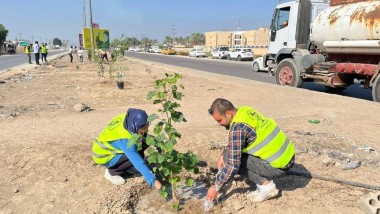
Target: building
[218,38]
[255,39]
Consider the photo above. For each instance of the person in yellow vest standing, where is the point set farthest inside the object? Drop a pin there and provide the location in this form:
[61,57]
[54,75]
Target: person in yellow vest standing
[111,148]
[43,52]
[257,149]
[28,51]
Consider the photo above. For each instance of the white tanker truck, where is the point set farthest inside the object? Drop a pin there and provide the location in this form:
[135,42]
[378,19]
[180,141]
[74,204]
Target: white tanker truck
[330,43]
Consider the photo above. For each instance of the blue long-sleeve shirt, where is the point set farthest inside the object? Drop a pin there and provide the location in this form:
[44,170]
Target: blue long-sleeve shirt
[136,159]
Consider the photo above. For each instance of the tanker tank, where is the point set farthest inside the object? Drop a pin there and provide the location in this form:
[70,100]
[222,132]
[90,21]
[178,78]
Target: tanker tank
[349,29]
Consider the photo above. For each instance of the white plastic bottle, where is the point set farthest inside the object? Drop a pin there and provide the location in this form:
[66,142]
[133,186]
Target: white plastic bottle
[208,205]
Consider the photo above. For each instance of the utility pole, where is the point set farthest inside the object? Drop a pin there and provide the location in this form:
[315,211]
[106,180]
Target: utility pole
[20,35]
[84,13]
[92,29]
[239,25]
[173,33]
[32,39]
[142,40]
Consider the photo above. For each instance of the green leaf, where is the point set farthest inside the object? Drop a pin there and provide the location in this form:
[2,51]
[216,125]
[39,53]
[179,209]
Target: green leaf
[154,169]
[150,140]
[164,194]
[152,159]
[175,207]
[189,182]
[172,180]
[151,94]
[160,158]
[178,95]
[196,170]
[152,117]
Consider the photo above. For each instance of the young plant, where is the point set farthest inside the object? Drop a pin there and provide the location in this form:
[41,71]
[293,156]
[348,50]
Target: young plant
[173,166]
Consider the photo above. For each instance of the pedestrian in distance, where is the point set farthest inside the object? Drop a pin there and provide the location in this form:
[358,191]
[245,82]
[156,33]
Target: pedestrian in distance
[71,53]
[36,51]
[28,51]
[43,52]
[46,49]
[112,150]
[103,55]
[257,149]
[80,54]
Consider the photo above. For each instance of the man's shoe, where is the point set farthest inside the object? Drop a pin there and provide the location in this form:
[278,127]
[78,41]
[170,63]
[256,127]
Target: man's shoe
[116,179]
[264,192]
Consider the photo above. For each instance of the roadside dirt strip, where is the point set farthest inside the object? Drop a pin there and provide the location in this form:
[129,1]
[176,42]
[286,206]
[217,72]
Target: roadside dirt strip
[46,143]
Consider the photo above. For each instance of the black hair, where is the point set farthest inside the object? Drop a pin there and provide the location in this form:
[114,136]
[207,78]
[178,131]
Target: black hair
[221,106]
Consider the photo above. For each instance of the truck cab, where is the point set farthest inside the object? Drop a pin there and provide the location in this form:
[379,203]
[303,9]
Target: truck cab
[288,31]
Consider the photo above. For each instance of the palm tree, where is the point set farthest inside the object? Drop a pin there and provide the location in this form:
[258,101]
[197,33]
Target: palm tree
[197,39]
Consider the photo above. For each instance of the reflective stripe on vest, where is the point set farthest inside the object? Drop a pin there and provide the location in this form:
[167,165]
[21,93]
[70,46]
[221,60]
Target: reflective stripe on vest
[102,150]
[271,144]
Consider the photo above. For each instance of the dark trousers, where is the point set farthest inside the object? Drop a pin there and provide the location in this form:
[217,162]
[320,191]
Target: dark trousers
[37,58]
[256,169]
[71,57]
[122,165]
[44,57]
[29,58]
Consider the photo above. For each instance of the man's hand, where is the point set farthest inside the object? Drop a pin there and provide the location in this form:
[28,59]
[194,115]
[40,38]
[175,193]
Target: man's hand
[212,194]
[221,163]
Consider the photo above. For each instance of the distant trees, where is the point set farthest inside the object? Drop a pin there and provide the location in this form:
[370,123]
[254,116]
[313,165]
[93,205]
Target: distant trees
[57,41]
[188,41]
[3,33]
[197,39]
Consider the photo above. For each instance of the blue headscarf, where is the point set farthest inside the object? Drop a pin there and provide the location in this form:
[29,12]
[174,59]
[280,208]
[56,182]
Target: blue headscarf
[135,120]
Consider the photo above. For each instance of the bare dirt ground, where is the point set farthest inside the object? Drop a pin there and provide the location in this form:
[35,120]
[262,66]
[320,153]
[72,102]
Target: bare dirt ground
[45,145]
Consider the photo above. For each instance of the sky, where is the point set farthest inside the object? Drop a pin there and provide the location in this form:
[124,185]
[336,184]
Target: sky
[63,19]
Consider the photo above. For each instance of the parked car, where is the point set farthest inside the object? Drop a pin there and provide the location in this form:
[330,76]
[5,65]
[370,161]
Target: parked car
[134,49]
[241,54]
[258,65]
[220,52]
[197,53]
[154,49]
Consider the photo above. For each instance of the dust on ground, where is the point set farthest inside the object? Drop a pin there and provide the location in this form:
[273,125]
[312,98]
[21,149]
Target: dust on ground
[46,144]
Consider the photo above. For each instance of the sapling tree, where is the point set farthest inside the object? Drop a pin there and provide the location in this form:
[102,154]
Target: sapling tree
[173,166]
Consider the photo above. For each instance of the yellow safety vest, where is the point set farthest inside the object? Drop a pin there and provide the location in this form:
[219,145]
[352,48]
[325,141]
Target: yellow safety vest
[43,49]
[102,150]
[27,49]
[271,143]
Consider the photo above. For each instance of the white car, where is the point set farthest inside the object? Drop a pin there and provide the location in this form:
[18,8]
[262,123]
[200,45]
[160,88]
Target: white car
[258,65]
[220,52]
[197,53]
[241,54]
[134,49]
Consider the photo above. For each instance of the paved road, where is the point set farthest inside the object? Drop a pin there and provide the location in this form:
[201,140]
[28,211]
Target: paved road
[240,69]
[9,61]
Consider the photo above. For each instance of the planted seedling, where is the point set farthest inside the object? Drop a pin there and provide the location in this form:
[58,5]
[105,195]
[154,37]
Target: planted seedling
[173,166]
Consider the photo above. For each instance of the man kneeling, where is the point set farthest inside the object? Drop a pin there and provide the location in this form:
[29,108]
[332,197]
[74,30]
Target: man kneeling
[257,149]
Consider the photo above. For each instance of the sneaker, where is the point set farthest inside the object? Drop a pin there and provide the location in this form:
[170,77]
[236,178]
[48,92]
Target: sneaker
[115,179]
[264,192]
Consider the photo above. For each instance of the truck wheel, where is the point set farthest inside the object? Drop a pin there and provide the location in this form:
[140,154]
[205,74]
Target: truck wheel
[376,89]
[239,58]
[287,74]
[256,67]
